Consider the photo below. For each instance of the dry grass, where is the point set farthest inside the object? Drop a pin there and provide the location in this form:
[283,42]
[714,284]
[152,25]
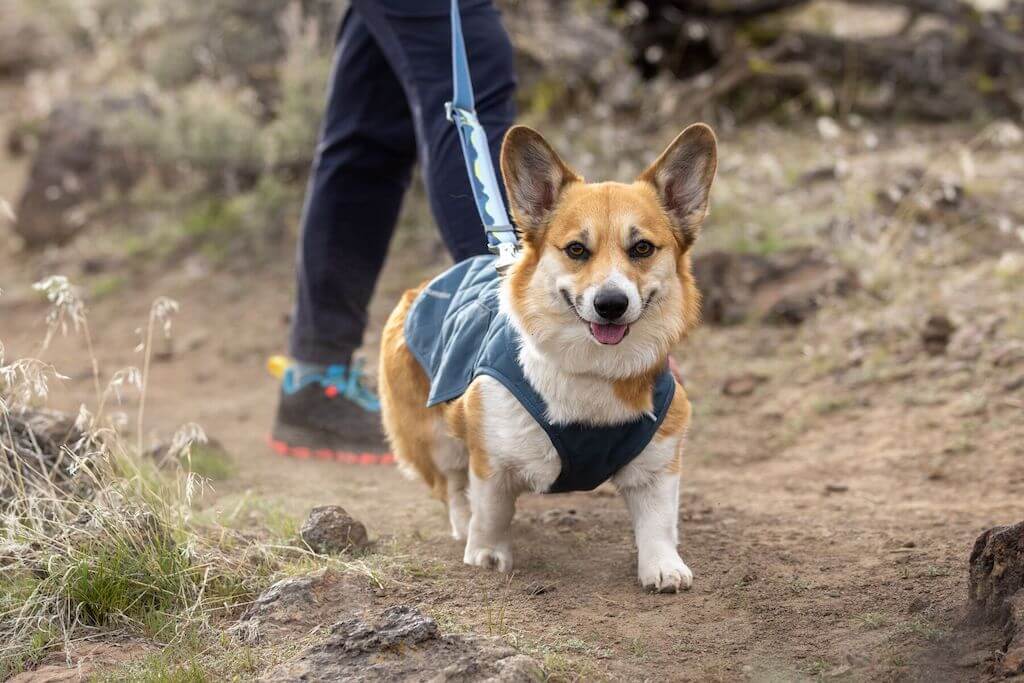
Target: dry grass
[119,551]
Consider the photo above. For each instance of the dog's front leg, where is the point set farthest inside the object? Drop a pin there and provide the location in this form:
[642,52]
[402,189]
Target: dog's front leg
[493,503]
[655,510]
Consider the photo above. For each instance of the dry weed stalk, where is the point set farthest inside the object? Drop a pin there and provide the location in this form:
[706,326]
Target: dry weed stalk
[92,535]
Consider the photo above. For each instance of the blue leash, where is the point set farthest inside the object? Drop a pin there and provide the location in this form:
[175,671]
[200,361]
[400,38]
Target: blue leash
[501,236]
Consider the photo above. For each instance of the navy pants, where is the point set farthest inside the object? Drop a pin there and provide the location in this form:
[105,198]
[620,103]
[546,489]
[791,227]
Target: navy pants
[390,80]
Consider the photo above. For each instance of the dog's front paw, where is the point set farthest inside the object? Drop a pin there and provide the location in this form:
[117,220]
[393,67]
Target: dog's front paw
[489,558]
[665,574]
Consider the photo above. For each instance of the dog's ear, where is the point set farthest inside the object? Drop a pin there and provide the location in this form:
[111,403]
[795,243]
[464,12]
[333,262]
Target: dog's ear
[534,178]
[682,175]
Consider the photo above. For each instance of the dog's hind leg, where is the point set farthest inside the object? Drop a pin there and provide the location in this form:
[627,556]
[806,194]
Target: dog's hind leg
[452,461]
[410,425]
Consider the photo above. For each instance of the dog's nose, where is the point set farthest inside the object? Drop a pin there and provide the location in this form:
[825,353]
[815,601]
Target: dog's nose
[610,304]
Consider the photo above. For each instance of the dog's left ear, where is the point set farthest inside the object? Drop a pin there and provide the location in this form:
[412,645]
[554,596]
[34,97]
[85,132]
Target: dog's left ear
[535,177]
[682,175]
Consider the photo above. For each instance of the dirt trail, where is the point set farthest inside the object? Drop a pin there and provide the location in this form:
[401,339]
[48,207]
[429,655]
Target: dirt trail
[828,516]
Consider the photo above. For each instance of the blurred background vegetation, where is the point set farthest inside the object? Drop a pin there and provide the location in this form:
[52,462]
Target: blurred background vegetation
[164,128]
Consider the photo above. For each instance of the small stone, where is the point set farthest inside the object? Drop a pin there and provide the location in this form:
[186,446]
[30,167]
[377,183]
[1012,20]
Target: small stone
[330,530]
[742,385]
[836,488]
[537,588]
[917,605]
[935,336]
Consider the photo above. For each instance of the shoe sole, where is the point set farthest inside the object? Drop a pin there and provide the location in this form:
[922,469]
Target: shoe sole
[345,457]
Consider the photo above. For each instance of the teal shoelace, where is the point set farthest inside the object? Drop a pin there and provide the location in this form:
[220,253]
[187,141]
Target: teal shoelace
[337,380]
[350,385]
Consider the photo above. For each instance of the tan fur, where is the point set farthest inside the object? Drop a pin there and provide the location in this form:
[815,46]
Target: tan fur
[465,422]
[404,388]
[678,415]
[543,292]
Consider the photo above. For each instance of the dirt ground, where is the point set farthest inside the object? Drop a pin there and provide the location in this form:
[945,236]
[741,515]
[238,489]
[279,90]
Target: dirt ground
[828,515]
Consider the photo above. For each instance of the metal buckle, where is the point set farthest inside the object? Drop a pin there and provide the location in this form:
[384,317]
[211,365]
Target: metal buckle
[507,254]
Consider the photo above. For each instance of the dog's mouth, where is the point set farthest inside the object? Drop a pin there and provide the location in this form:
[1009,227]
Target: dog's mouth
[604,333]
[609,333]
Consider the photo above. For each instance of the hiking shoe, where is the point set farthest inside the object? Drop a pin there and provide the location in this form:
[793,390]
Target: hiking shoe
[329,416]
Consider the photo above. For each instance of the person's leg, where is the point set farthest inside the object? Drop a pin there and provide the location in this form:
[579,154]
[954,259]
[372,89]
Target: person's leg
[362,168]
[419,50]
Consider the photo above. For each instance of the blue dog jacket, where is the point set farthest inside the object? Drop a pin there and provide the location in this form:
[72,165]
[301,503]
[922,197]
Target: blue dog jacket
[456,332]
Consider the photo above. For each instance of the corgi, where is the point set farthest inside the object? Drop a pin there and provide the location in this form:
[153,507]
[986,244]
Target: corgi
[553,375]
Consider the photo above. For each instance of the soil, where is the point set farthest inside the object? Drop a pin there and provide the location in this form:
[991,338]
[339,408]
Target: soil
[828,512]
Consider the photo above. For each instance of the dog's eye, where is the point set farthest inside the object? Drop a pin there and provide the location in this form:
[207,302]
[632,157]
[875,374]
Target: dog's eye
[577,251]
[641,249]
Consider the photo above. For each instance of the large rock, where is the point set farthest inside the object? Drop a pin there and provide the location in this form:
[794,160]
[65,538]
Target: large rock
[39,445]
[997,588]
[83,661]
[330,530]
[29,39]
[782,288]
[405,645]
[296,605]
[74,165]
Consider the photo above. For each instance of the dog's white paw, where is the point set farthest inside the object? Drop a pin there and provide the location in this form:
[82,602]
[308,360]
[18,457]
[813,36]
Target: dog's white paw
[489,558]
[665,574]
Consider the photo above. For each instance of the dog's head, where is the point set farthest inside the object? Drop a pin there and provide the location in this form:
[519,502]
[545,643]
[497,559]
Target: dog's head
[604,280]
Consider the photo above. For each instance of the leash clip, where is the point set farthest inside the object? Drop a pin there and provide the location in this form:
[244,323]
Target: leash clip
[507,254]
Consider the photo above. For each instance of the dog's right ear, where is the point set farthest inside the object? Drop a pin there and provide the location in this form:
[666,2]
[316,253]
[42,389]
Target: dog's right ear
[535,177]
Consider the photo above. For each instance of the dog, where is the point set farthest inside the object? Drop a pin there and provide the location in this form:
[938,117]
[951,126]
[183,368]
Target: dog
[553,375]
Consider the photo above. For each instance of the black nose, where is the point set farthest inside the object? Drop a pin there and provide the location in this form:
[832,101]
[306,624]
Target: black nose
[610,304]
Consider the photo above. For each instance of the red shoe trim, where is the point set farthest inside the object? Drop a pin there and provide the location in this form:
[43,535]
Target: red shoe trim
[346,457]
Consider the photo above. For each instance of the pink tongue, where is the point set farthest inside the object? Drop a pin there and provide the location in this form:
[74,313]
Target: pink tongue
[608,334]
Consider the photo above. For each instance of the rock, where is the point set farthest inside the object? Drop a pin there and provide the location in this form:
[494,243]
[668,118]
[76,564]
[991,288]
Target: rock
[330,530]
[538,588]
[88,661]
[28,40]
[936,334]
[826,172]
[783,288]
[742,385]
[917,605]
[405,645]
[41,440]
[296,605]
[997,567]
[836,488]
[74,165]
[997,588]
